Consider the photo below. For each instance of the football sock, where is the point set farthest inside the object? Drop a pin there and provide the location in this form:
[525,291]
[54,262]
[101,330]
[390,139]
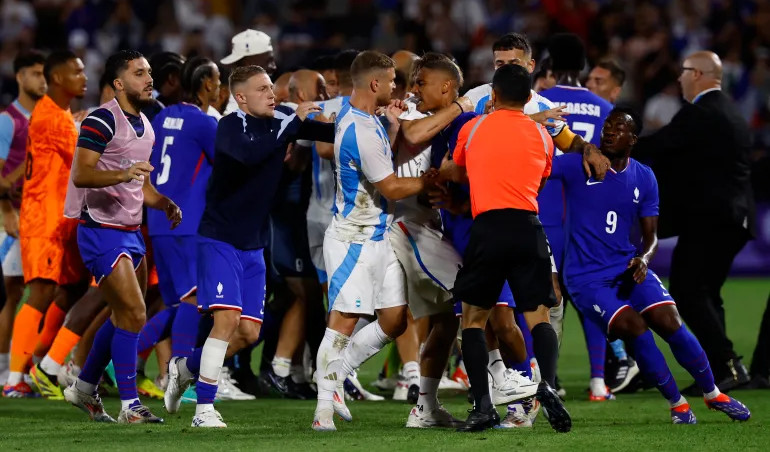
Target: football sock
[281,366]
[411,372]
[690,355]
[329,353]
[212,358]
[524,327]
[156,329]
[184,330]
[546,348]
[363,345]
[596,341]
[123,349]
[126,404]
[653,366]
[475,355]
[193,362]
[99,356]
[54,319]
[496,366]
[428,399]
[556,316]
[65,341]
[598,387]
[25,327]
[618,349]
[524,367]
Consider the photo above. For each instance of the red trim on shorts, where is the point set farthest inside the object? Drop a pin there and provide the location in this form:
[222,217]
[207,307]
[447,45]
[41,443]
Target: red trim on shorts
[252,319]
[658,304]
[216,307]
[188,293]
[622,308]
[114,263]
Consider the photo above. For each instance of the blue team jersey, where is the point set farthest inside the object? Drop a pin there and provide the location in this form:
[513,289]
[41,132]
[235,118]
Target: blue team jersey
[601,216]
[587,111]
[182,157]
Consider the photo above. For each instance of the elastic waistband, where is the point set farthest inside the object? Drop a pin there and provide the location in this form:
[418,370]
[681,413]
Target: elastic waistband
[90,223]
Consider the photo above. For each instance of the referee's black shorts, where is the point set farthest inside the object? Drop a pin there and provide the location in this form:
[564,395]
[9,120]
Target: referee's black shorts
[506,244]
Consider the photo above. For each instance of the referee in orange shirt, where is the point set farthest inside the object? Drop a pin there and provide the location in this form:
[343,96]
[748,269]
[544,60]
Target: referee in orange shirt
[506,158]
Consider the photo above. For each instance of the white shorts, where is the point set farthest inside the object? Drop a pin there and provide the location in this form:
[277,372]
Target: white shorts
[430,263]
[363,277]
[315,238]
[10,253]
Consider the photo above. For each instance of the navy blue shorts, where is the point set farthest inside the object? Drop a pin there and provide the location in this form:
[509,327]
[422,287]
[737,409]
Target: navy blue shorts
[101,248]
[229,278]
[604,300]
[176,263]
[289,246]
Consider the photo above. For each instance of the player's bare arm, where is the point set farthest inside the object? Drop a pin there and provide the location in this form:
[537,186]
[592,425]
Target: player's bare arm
[424,129]
[638,265]
[155,200]
[594,162]
[85,174]
[395,188]
[547,117]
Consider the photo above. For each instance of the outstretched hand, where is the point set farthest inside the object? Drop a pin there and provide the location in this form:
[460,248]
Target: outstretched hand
[594,162]
[306,108]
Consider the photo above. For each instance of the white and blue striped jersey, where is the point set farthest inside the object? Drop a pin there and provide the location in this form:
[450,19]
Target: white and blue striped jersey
[481,94]
[362,156]
[322,195]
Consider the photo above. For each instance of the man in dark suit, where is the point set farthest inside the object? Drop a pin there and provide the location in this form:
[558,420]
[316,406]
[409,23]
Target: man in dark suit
[701,160]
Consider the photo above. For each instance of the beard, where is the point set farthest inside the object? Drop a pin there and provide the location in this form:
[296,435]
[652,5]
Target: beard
[137,99]
[34,95]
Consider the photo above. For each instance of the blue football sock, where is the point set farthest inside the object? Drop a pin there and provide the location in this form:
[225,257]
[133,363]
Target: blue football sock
[124,352]
[156,329]
[100,354]
[522,323]
[653,366]
[524,367]
[207,392]
[596,341]
[690,355]
[194,361]
[184,331]
[618,349]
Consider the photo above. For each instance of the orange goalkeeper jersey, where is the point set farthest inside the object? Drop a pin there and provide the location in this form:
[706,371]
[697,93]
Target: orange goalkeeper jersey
[50,150]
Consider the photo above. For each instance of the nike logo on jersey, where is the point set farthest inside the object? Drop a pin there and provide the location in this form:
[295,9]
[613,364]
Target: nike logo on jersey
[593,182]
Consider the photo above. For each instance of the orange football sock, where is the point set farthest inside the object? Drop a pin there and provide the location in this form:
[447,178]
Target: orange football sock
[65,341]
[25,328]
[54,319]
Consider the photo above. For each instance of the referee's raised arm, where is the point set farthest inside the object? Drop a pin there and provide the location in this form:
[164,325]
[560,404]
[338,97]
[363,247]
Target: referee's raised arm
[506,156]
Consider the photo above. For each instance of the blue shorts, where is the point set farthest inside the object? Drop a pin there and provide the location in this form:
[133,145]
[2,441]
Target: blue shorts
[175,261]
[603,300]
[289,246]
[229,278]
[101,248]
[505,299]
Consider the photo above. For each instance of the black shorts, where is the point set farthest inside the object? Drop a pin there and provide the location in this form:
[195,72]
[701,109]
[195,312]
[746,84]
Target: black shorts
[506,244]
[289,249]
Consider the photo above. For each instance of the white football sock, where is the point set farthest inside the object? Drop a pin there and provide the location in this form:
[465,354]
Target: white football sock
[281,366]
[126,404]
[203,407]
[713,394]
[85,387]
[557,320]
[50,366]
[329,352]
[428,399]
[496,366]
[212,358]
[363,345]
[679,402]
[412,373]
[598,387]
[14,378]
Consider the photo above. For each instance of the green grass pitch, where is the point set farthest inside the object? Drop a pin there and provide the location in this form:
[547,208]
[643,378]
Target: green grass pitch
[633,422]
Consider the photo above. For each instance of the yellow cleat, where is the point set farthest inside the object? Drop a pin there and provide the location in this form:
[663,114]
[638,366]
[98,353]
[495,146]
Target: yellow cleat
[147,388]
[48,389]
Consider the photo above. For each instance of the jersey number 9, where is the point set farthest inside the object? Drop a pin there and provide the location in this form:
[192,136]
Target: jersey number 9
[612,222]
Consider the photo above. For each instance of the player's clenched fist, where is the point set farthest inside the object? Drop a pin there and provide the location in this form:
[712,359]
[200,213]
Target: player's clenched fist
[137,171]
[305,108]
[173,213]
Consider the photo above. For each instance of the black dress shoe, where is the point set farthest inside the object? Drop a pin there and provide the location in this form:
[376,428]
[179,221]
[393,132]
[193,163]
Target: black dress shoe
[553,408]
[480,420]
[736,376]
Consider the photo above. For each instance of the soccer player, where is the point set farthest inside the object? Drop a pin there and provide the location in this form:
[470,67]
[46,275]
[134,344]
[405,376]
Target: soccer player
[365,274]
[249,153]
[14,122]
[609,279]
[296,284]
[110,184]
[606,80]
[325,66]
[49,251]
[507,241]
[587,112]
[250,47]
[182,160]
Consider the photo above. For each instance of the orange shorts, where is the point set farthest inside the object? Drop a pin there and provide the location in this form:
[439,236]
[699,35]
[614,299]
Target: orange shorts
[55,259]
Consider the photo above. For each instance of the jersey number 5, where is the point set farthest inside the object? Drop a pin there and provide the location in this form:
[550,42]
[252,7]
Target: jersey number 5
[165,162]
[585,127]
